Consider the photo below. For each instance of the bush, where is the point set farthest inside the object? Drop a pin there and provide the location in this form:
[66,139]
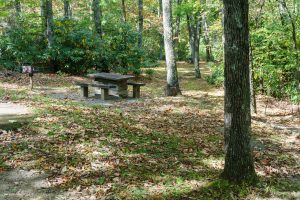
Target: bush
[217,75]
[76,48]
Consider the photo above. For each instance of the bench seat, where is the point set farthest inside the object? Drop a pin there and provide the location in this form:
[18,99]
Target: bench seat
[136,89]
[104,89]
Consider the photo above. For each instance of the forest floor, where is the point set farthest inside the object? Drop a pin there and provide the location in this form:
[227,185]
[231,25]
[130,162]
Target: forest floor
[156,147]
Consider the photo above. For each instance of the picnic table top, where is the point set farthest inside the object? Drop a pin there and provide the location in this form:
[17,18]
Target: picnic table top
[110,76]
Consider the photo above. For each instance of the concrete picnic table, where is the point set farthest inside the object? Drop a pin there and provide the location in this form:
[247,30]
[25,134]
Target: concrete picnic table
[116,79]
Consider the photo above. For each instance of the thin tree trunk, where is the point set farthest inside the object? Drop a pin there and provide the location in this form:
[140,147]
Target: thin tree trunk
[252,91]
[194,26]
[197,48]
[191,37]
[97,16]
[43,17]
[141,23]
[161,44]
[67,9]
[177,30]
[239,164]
[49,22]
[172,88]
[18,8]
[124,11]
[293,23]
[209,56]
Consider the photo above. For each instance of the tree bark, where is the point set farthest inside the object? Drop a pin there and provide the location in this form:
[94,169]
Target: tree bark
[97,17]
[239,164]
[172,88]
[141,23]
[67,9]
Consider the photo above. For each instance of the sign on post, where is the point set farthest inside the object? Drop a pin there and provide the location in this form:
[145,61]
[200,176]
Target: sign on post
[29,70]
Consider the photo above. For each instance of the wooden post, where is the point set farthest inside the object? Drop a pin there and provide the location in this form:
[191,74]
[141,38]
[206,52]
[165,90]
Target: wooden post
[104,94]
[85,91]
[136,91]
[31,81]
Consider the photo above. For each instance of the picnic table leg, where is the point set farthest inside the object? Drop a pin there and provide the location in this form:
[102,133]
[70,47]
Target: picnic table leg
[85,91]
[123,89]
[104,94]
[136,91]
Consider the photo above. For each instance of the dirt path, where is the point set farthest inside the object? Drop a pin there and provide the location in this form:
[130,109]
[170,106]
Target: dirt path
[24,185]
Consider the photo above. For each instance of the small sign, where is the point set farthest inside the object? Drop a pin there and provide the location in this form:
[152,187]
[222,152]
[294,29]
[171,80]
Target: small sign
[27,69]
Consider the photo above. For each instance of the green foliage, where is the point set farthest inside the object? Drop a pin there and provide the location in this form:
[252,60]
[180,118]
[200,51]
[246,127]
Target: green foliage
[76,48]
[217,75]
[275,62]
[149,72]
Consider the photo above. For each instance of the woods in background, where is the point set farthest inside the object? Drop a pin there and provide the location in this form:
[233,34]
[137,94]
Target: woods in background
[125,35]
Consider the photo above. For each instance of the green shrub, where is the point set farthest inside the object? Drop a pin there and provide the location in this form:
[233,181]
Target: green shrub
[217,75]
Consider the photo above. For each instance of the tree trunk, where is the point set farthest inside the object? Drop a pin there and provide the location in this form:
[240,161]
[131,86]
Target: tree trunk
[97,16]
[209,56]
[124,11]
[141,23]
[196,47]
[161,44]
[43,18]
[67,9]
[191,37]
[177,29]
[194,26]
[239,164]
[48,12]
[252,91]
[18,8]
[292,21]
[172,88]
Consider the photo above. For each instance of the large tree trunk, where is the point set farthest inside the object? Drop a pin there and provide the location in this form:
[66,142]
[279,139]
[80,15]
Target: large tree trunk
[97,16]
[239,164]
[67,9]
[141,23]
[172,88]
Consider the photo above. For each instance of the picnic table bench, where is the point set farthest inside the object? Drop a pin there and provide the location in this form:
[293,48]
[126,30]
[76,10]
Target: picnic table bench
[136,89]
[104,89]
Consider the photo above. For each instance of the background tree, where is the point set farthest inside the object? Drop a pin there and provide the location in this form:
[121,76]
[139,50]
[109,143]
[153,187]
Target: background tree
[141,23]
[172,88]
[97,16]
[67,9]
